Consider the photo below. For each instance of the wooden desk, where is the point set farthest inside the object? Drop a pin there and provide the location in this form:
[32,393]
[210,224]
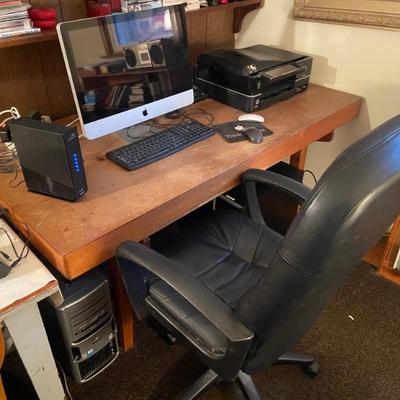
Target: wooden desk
[123,205]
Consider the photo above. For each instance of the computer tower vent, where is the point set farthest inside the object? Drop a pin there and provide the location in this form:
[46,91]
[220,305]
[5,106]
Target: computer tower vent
[95,363]
[42,184]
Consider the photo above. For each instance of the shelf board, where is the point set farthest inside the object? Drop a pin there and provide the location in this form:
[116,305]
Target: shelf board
[219,7]
[51,35]
[30,38]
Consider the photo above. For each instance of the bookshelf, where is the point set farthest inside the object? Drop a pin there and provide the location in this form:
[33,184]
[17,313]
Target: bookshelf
[241,9]
[31,38]
[34,76]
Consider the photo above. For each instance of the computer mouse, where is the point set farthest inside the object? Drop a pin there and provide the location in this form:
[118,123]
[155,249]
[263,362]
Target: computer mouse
[251,117]
[254,135]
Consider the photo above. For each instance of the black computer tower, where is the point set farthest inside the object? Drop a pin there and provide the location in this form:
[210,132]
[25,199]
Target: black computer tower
[82,331]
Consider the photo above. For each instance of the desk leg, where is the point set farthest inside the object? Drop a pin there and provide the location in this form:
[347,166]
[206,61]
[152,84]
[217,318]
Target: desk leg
[27,331]
[298,159]
[124,317]
[2,354]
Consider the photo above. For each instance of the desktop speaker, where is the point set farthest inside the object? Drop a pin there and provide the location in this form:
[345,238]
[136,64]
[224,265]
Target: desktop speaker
[50,158]
[82,331]
[137,56]
[157,55]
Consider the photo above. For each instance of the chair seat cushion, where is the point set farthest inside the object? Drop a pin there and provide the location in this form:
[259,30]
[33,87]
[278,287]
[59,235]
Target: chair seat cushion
[229,253]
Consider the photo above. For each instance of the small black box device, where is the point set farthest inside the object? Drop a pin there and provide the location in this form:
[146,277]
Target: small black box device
[254,77]
[50,158]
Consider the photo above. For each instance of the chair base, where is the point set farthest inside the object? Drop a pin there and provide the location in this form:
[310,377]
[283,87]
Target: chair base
[307,361]
[210,378]
[244,381]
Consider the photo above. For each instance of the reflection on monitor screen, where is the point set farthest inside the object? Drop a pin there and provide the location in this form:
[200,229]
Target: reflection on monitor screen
[127,68]
[129,31]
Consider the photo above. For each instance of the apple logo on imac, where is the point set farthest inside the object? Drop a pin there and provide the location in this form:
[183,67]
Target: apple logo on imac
[145,113]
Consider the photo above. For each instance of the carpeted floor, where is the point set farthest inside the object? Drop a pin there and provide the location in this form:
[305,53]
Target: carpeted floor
[356,341]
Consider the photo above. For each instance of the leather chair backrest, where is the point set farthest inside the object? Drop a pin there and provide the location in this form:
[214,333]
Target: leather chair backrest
[349,210]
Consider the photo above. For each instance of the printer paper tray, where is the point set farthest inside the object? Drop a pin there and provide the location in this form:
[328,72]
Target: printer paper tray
[241,101]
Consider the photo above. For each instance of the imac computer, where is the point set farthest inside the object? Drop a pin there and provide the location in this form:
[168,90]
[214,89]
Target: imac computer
[127,68]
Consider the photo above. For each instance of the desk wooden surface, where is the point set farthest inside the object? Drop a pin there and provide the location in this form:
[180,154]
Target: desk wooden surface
[123,205]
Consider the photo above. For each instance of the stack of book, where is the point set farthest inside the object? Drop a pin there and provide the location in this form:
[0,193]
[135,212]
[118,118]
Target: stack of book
[190,4]
[139,5]
[167,3]
[14,18]
[136,96]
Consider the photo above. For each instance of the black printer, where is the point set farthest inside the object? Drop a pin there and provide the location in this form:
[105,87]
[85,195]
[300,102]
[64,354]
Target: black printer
[254,77]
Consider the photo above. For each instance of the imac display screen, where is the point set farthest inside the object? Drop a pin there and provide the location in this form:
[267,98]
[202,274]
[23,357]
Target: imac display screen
[127,61]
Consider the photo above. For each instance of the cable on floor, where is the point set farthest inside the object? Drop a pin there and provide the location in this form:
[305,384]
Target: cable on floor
[312,174]
[64,381]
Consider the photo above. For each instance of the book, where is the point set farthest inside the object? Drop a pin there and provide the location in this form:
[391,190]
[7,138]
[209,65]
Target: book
[19,23]
[137,90]
[9,4]
[122,97]
[117,97]
[155,90]
[15,9]
[14,16]
[117,89]
[109,97]
[19,32]
[136,98]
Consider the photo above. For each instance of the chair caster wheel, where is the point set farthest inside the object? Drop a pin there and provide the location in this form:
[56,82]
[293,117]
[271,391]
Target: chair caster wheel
[311,370]
[171,338]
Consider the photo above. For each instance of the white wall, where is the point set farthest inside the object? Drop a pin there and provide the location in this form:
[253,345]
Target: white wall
[359,60]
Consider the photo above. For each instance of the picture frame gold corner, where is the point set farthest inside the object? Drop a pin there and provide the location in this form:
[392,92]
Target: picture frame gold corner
[383,14]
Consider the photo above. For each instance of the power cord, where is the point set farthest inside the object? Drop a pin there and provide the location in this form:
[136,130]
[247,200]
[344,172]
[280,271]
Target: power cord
[73,122]
[8,154]
[8,159]
[14,115]
[156,125]
[65,382]
[25,249]
[312,174]
[199,111]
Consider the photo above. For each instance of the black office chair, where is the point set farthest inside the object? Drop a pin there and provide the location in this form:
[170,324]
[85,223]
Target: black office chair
[240,293]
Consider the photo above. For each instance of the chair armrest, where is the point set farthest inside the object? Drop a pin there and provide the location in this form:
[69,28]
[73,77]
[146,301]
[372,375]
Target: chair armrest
[287,185]
[198,295]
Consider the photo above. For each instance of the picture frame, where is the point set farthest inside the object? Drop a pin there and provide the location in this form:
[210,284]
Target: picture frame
[373,13]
